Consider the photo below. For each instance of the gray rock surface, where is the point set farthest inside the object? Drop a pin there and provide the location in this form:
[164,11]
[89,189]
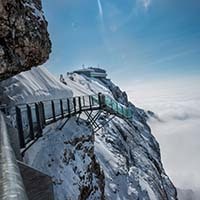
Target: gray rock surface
[24,40]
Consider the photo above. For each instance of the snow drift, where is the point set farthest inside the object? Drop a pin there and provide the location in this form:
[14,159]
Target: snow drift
[34,85]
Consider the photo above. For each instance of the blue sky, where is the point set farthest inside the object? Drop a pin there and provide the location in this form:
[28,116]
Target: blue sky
[129,38]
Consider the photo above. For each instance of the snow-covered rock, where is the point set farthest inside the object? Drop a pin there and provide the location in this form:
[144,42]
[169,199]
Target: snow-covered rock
[127,151]
[34,85]
[121,161]
[68,156]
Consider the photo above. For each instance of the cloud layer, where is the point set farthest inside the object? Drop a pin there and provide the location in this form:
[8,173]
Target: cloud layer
[177,102]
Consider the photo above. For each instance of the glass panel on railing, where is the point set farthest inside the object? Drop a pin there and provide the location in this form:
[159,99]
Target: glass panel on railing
[114,106]
[47,109]
[96,100]
[57,107]
[33,114]
[108,101]
[86,99]
[64,103]
[83,101]
[122,110]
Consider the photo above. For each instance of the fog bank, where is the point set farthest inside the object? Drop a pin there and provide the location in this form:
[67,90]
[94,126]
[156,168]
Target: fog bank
[177,103]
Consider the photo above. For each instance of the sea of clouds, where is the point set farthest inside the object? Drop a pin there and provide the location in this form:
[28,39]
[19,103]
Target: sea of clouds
[177,103]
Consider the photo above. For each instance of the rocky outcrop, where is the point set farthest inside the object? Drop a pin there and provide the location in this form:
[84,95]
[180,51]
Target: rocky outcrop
[68,157]
[24,40]
[84,146]
[116,92]
[135,154]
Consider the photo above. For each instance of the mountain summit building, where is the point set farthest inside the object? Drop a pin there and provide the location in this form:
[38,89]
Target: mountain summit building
[92,72]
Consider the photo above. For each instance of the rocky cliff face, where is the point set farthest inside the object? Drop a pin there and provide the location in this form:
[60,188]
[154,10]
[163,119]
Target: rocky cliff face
[24,40]
[131,162]
[68,157]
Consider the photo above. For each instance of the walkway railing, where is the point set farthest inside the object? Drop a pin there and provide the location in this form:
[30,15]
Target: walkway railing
[11,184]
[30,119]
[118,108]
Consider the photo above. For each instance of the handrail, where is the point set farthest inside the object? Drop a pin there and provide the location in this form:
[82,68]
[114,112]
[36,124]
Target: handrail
[109,102]
[105,99]
[30,119]
[117,107]
[11,184]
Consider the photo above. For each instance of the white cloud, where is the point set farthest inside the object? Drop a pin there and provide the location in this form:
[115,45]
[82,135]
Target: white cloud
[145,3]
[177,102]
[174,56]
[100,8]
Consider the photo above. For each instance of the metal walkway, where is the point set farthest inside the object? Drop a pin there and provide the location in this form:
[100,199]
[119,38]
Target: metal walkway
[30,119]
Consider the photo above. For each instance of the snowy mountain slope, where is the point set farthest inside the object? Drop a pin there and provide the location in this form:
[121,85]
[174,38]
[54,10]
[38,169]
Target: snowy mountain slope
[121,161]
[128,152]
[68,156]
[34,85]
[82,85]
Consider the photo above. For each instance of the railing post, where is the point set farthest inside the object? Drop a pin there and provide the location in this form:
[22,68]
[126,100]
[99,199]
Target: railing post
[99,100]
[79,102]
[20,127]
[43,114]
[103,100]
[90,102]
[30,122]
[68,107]
[74,103]
[111,102]
[83,101]
[61,108]
[53,110]
[37,113]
